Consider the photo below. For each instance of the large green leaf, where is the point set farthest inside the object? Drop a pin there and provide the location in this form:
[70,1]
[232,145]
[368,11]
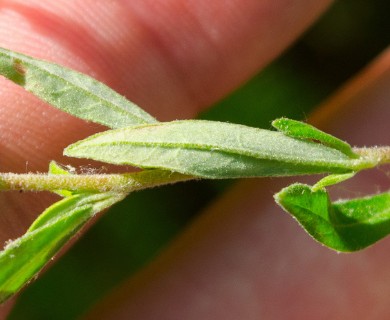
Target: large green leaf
[24,257]
[71,91]
[344,225]
[214,150]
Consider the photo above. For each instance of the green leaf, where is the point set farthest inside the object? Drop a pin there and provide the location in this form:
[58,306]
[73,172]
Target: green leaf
[332,179]
[23,258]
[301,130]
[71,91]
[213,150]
[55,168]
[344,225]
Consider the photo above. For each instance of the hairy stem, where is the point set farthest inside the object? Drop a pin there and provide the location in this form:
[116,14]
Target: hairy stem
[128,182]
[122,183]
[380,155]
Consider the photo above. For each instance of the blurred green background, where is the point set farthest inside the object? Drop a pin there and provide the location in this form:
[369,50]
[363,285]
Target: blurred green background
[127,237]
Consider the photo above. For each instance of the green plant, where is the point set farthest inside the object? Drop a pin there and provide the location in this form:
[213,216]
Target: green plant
[177,151]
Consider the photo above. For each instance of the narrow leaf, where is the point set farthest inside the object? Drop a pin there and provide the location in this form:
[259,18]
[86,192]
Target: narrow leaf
[23,258]
[71,91]
[332,179]
[301,130]
[213,150]
[344,225]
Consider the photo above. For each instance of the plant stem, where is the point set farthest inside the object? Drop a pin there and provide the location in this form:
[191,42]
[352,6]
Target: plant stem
[379,155]
[128,182]
[122,183]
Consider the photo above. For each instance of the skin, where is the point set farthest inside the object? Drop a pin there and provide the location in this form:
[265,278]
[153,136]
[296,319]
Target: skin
[230,263]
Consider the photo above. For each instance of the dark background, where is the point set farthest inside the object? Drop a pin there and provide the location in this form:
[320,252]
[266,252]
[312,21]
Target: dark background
[130,234]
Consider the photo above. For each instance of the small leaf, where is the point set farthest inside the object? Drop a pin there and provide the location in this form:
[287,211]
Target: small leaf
[301,130]
[213,150]
[344,225]
[71,91]
[23,258]
[332,179]
[55,168]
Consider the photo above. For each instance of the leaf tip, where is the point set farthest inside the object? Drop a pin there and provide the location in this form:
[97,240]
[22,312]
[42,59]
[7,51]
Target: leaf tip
[281,124]
[14,69]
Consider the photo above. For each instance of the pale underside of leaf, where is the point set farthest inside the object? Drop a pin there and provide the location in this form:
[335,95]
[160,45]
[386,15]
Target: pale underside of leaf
[213,150]
[71,91]
[344,225]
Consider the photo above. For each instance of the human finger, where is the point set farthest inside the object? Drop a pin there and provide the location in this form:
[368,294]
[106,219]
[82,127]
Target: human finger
[171,57]
[244,259]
